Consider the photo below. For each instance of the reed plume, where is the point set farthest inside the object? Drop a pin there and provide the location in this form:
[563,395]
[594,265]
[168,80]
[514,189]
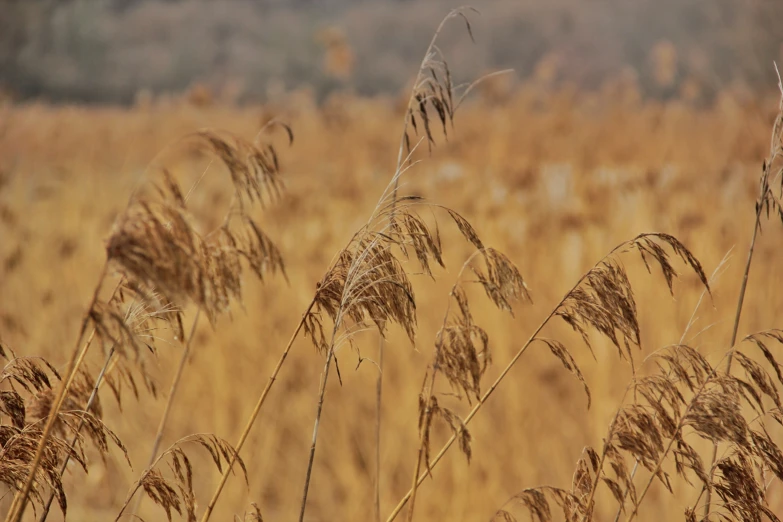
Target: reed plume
[462,352]
[603,300]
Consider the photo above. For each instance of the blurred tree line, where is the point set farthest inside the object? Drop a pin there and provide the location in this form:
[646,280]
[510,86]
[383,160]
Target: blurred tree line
[111,50]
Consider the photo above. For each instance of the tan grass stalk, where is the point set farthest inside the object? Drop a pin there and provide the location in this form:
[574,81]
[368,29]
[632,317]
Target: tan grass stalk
[254,414]
[491,389]
[368,283]
[764,201]
[378,419]
[712,282]
[19,503]
[626,245]
[167,409]
[79,427]
[438,94]
[460,359]
[680,425]
[90,401]
[178,495]
[319,409]
[419,92]
[381,340]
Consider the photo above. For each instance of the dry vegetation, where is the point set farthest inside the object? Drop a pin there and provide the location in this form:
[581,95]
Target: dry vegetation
[624,383]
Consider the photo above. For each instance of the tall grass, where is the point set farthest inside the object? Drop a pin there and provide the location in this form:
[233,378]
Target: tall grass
[182,247]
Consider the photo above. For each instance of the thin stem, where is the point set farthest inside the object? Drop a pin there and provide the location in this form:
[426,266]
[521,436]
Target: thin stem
[431,388]
[254,415]
[421,454]
[378,411]
[138,484]
[678,430]
[472,414]
[90,400]
[713,281]
[764,192]
[419,76]
[167,410]
[600,467]
[735,329]
[317,422]
[77,357]
[82,422]
[498,380]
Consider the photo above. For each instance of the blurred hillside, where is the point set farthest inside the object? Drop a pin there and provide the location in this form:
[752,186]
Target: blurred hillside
[251,50]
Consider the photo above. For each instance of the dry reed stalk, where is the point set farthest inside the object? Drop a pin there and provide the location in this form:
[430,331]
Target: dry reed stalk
[378,419]
[715,411]
[19,503]
[178,495]
[649,429]
[601,299]
[686,392]
[439,94]
[367,283]
[433,91]
[254,414]
[93,398]
[128,330]
[713,280]
[319,409]
[156,247]
[20,440]
[159,246]
[157,243]
[167,409]
[462,350]
[766,200]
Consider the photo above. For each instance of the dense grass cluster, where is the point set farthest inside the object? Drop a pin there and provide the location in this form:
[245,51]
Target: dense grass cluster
[263,236]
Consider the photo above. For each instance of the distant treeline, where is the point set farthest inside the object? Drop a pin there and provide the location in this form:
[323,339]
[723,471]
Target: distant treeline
[249,50]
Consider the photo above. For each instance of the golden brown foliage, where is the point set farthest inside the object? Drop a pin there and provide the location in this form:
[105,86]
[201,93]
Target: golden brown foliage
[622,169]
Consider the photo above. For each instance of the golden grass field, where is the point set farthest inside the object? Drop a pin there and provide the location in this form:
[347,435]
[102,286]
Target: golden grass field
[553,179]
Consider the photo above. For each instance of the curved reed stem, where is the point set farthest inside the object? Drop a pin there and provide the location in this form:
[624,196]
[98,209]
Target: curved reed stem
[93,396]
[764,193]
[679,428]
[713,281]
[254,415]
[82,421]
[733,341]
[167,410]
[378,411]
[401,504]
[319,409]
[19,503]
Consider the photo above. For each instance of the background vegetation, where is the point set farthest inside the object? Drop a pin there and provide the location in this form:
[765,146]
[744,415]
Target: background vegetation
[110,50]
[554,168]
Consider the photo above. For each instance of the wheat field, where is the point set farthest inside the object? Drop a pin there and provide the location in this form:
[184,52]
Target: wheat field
[553,179]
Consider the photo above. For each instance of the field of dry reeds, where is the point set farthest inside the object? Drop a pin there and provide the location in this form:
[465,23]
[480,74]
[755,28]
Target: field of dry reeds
[167,255]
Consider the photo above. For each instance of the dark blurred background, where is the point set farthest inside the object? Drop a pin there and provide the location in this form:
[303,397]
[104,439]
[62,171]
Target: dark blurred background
[113,51]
